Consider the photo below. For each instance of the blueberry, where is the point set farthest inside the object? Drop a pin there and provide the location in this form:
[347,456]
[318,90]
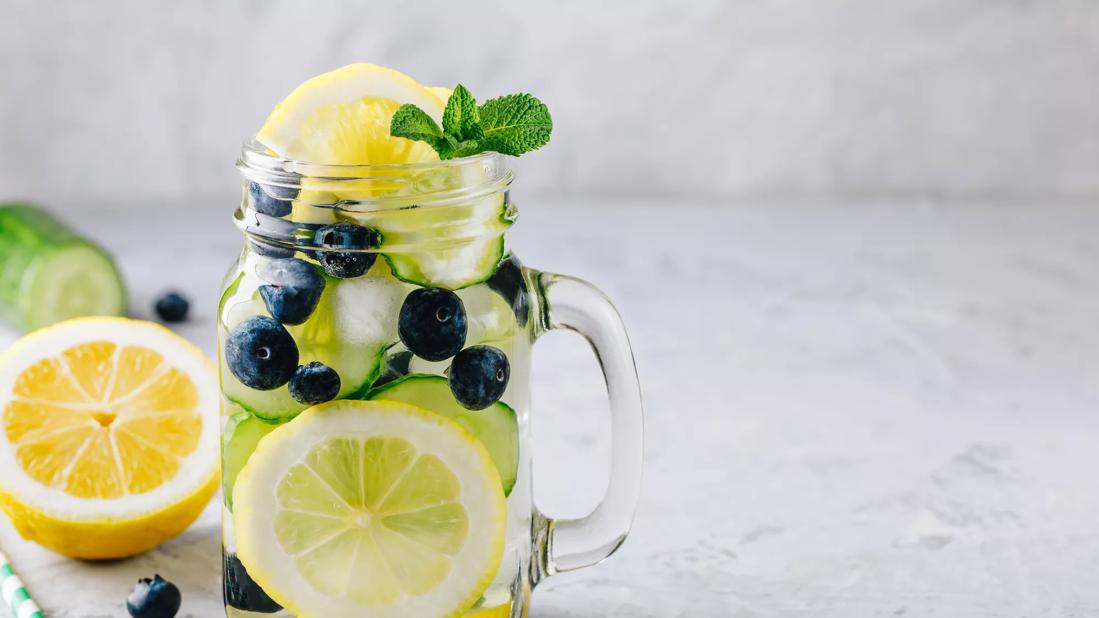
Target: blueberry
[478,376]
[396,366]
[270,250]
[242,592]
[261,353]
[314,383]
[272,200]
[172,307]
[294,289]
[508,282]
[432,323]
[154,598]
[346,264]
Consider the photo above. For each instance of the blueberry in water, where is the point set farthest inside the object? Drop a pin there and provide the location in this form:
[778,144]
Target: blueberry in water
[314,383]
[349,237]
[242,592]
[172,307]
[432,323]
[396,366]
[272,200]
[509,283]
[293,291]
[154,598]
[478,376]
[270,250]
[261,353]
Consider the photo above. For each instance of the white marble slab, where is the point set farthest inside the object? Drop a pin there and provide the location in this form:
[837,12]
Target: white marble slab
[875,410]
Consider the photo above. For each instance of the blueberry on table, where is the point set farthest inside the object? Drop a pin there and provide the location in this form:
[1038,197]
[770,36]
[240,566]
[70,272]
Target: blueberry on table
[261,353]
[396,366]
[272,200]
[293,291]
[172,307]
[314,383]
[242,592]
[509,283]
[432,323]
[154,598]
[341,249]
[478,376]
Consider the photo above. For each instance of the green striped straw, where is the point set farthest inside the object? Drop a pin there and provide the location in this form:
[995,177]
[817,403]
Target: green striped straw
[15,593]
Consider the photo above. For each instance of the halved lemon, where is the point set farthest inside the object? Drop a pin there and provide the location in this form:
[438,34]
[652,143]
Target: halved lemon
[109,436]
[369,508]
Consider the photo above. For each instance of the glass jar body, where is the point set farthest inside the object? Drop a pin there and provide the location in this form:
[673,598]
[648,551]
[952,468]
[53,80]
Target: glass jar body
[374,329]
[354,328]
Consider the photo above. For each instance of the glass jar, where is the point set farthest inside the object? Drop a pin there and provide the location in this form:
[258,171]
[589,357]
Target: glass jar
[394,283]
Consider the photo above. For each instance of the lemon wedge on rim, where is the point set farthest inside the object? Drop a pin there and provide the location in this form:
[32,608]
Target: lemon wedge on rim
[342,118]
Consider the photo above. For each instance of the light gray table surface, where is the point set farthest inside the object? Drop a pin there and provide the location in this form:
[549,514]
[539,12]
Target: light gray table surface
[852,410]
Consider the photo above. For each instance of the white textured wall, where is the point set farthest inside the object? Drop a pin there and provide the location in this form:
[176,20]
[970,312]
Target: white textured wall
[142,100]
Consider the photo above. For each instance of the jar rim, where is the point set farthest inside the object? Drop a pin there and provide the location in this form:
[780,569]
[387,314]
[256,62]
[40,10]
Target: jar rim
[254,154]
[362,193]
[397,185]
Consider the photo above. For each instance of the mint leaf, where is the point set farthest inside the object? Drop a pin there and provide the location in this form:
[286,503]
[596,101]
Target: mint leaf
[511,125]
[515,124]
[411,122]
[461,122]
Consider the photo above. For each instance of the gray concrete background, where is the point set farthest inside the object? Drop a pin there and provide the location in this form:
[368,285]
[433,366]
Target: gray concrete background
[129,102]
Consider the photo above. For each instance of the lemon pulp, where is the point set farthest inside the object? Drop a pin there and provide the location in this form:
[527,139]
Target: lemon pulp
[383,509]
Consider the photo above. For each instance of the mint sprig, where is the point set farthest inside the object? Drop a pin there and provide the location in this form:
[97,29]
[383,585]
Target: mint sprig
[513,125]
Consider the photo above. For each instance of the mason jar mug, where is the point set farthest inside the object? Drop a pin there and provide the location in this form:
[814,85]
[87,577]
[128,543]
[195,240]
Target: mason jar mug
[374,343]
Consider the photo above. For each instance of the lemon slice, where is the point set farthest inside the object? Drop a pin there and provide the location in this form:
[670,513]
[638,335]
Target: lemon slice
[342,117]
[366,508]
[110,436]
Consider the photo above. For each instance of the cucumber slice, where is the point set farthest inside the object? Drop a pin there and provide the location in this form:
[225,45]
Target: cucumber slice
[73,281]
[50,274]
[495,426]
[453,268]
[354,324]
[239,438]
[451,246]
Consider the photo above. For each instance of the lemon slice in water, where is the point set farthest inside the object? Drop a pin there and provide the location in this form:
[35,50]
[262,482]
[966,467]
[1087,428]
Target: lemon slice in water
[366,508]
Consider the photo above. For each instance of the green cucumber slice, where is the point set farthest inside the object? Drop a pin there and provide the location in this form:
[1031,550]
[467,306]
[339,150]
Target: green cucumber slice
[495,426]
[239,438]
[354,324]
[49,274]
[453,267]
[451,246]
[73,281]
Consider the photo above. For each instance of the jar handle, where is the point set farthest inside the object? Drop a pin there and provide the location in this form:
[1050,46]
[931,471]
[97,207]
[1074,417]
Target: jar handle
[561,545]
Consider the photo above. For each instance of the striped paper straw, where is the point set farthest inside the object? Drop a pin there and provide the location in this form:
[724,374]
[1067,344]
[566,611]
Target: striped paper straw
[15,593]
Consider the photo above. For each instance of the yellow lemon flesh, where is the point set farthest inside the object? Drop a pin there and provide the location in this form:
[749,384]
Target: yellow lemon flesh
[370,508]
[342,118]
[109,436]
